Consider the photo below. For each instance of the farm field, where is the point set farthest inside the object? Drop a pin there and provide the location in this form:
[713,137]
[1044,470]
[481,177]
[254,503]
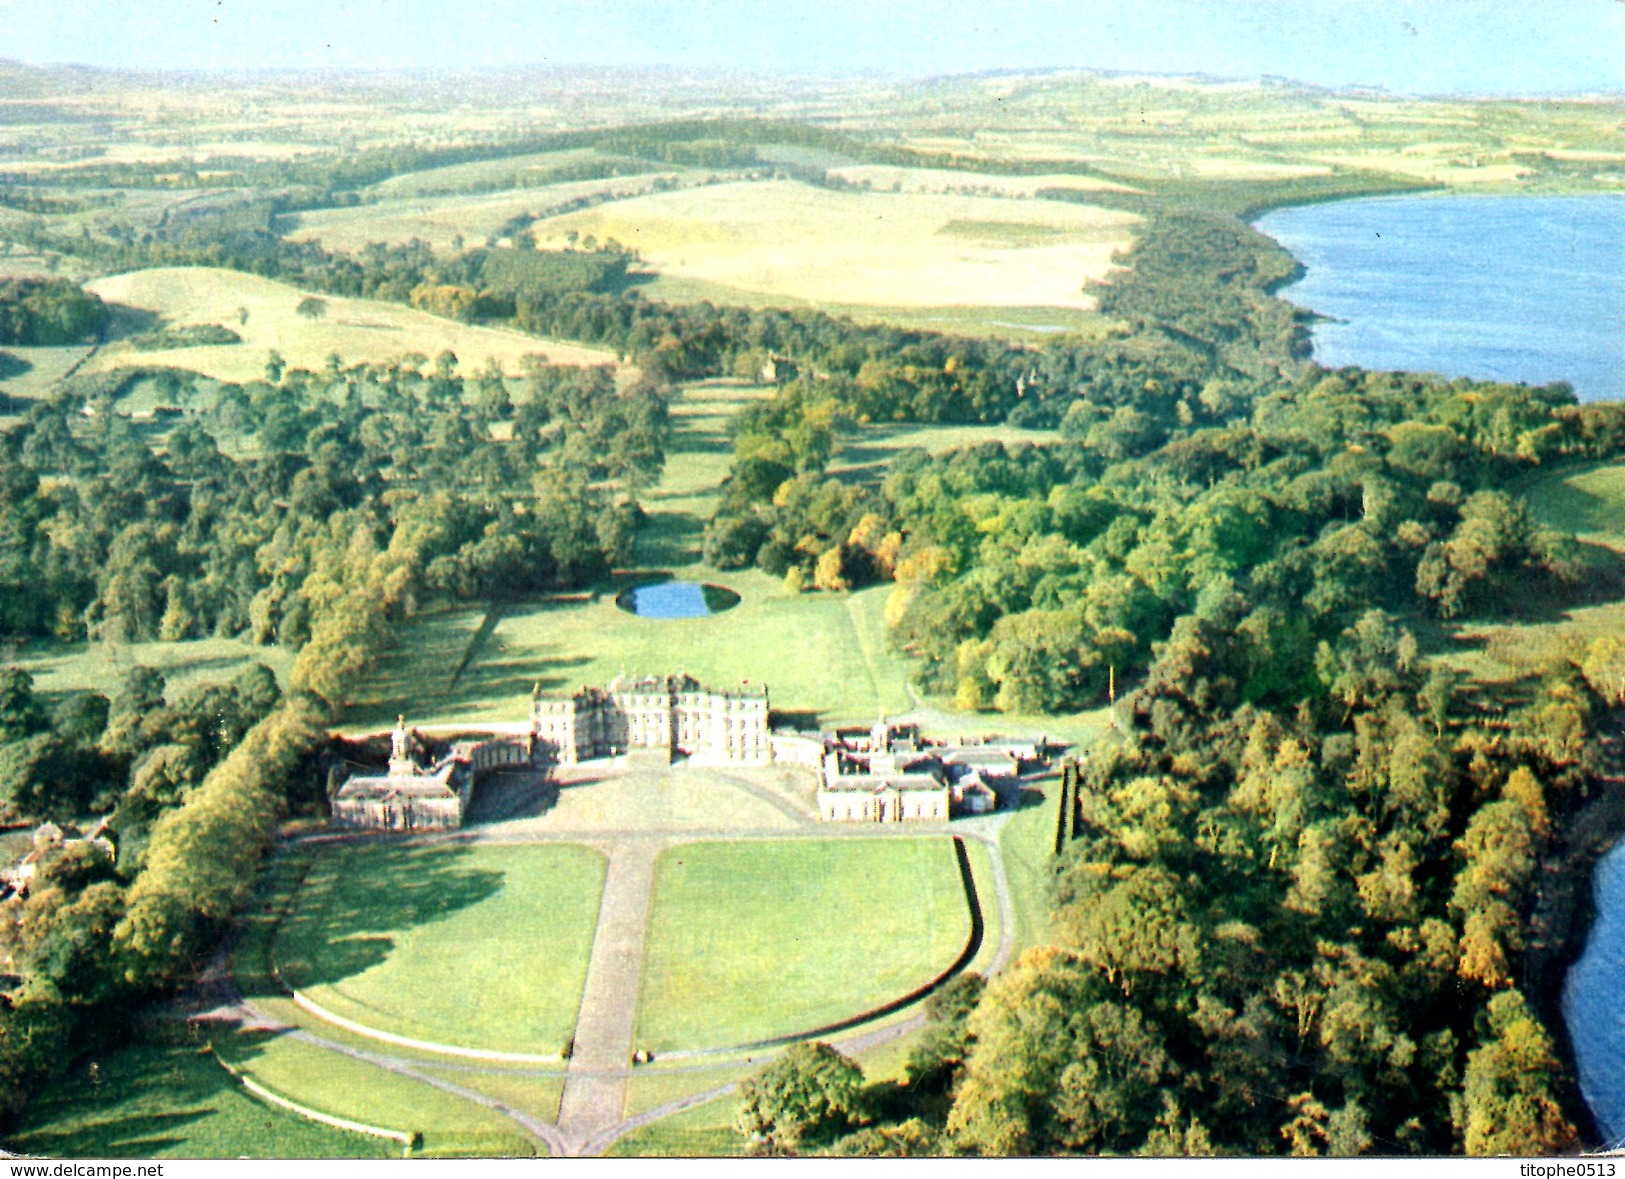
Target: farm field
[440,220]
[358,330]
[480,947]
[889,178]
[171,1100]
[781,238]
[752,940]
[505,171]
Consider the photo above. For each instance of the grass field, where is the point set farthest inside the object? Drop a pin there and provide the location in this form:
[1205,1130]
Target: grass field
[1588,501]
[358,330]
[101,667]
[782,238]
[751,940]
[706,1131]
[1027,841]
[341,1086]
[482,947]
[440,219]
[171,1100]
[818,653]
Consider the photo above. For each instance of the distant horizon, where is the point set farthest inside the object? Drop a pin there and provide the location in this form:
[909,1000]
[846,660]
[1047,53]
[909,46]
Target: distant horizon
[1208,77]
[1444,48]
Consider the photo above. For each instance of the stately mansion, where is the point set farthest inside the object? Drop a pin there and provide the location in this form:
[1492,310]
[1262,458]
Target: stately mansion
[669,714]
[885,774]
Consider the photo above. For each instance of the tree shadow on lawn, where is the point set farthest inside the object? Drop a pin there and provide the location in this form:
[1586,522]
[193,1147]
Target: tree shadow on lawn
[341,921]
[12,366]
[149,1077]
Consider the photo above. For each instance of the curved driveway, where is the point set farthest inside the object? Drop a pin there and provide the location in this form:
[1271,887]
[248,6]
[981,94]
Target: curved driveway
[600,1069]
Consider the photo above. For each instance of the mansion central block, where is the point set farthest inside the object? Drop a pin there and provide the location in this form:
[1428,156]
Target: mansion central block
[670,714]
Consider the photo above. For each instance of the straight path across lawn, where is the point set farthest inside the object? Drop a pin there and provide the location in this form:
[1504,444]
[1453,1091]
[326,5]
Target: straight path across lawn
[595,1087]
[757,939]
[483,947]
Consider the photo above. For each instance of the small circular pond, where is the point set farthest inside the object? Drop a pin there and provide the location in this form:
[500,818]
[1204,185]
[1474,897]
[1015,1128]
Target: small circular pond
[676,599]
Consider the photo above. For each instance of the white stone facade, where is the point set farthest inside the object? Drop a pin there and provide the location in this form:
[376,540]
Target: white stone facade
[669,714]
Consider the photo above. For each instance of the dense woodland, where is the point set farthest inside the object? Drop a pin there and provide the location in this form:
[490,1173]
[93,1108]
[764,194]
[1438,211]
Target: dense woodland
[358,497]
[1294,902]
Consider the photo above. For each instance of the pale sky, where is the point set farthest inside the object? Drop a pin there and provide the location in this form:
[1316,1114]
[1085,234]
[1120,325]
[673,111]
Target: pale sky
[1472,46]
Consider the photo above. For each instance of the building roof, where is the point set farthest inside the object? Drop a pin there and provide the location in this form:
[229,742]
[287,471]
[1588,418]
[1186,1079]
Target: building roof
[377,787]
[878,783]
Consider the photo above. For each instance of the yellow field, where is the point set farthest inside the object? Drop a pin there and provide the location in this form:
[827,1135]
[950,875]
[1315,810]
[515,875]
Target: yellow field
[358,330]
[1437,169]
[899,250]
[1233,169]
[885,178]
[438,220]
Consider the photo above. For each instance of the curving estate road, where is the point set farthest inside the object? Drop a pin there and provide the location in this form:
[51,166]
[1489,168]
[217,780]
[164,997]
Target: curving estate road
[599,1070]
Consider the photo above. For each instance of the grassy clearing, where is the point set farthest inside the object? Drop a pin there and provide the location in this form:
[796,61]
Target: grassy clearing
[100,667]
[358,330]
[1588,501]
[482,947]
[1027,840]
[171,1100]
[866,454]
[756,939]
[781,238]
[341,1086]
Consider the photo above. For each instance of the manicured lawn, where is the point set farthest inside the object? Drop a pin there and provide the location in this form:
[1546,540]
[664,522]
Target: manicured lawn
[752,940]
[655,1084]
[480,947]
[818,653]
[153,1100]
[339,1085]
[706,1131]
[1028,843]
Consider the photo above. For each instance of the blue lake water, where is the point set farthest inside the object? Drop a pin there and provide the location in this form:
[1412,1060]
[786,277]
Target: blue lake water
[1594,1001]
[676,599]
[1514,288]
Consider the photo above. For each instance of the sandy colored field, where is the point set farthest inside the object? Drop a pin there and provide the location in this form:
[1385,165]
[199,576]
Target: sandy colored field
[437,220]
[1452,170]
[357,329]
[904,250]
[1232,169]
[884,178]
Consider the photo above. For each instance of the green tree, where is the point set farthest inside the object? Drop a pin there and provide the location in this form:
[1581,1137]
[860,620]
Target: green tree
[806,1097]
